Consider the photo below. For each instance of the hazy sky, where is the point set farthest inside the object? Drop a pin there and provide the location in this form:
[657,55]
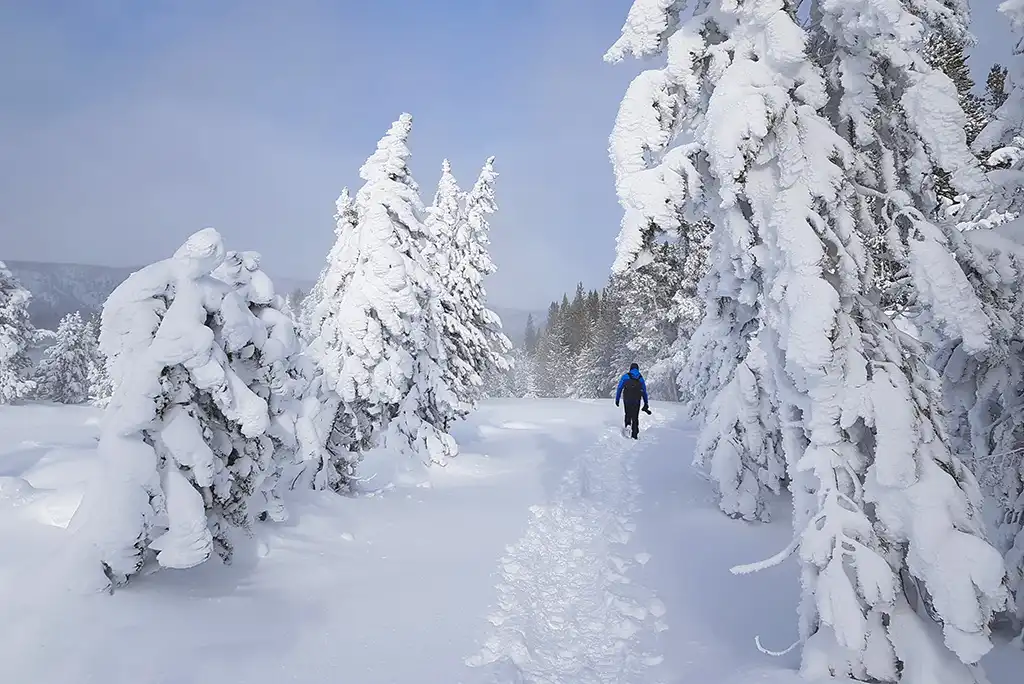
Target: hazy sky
[127,125]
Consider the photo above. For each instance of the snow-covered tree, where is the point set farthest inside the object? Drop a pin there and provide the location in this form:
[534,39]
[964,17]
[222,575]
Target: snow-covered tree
[479,342]
[984,386]
[462,341]
[63,373]
[649,314]
[742,126]
[456,232]
[995,87]
[100,386]
[336,437]
[16,336]
[554,374]
[985,394]
[946,50]
[292,304]
[1002,140]
[311,311]
[530,336]
[269,361]
[590,371]
[522,371]
[653,189]
[377,325]
[185,440]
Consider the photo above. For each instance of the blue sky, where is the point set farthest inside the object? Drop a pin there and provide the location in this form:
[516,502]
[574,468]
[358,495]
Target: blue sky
[127,125]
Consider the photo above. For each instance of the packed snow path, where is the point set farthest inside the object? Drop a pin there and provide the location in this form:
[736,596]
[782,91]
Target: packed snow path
[568,610]
[597,544]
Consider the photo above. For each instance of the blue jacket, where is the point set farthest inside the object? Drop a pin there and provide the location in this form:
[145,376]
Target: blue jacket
[622,383]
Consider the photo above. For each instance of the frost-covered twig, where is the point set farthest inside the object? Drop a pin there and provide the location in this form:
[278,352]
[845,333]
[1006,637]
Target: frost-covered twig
[775,654]
[777,559]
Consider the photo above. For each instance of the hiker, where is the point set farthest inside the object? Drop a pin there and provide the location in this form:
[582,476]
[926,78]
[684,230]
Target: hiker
[632,389]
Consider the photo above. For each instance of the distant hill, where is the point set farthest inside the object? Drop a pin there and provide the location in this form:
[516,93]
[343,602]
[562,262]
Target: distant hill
[60,289]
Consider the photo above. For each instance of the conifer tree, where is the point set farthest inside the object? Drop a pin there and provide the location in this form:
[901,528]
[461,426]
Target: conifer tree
[984,384]
[796,207]
[531,336]
[63,373]
[100,386]
[946,51]
[378,323]
[16,336]
[472,243]
[995,87]
[555,376]
[475,347]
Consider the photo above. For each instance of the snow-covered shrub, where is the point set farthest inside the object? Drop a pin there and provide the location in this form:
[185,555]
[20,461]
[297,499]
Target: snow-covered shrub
[186,447]
[268,358]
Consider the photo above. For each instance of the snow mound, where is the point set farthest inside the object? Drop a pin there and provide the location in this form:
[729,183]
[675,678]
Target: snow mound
[16,492]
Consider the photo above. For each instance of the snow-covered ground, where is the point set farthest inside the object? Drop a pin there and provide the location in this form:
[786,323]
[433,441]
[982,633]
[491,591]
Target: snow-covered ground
[551,551]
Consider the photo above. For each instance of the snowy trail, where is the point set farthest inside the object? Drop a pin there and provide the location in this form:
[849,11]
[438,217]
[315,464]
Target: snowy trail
[568,608]
[394,588]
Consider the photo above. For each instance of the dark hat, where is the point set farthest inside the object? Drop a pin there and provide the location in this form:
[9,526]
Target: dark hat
[634,366]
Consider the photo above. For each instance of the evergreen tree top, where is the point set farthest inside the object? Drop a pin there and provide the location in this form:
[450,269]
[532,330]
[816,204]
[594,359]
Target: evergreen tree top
[389,161]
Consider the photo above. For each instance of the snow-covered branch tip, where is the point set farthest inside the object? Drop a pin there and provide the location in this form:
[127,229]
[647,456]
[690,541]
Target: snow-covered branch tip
[775,654]
[777,559]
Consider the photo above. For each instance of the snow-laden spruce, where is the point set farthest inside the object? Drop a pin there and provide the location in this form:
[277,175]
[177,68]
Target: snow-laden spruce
[100,386]
[186,444]
[648,312]
[883,510]
[463,343]
[475,346]
[985,395]
[913,125]
[16,336]
[474,264]
[338,263]
[983,388]
[378,324]
[64,373]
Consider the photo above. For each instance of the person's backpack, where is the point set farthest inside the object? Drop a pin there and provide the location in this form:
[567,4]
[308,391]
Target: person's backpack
[632,390]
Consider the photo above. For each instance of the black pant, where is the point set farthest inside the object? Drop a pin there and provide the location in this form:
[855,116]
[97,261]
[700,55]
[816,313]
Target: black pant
[633,418]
